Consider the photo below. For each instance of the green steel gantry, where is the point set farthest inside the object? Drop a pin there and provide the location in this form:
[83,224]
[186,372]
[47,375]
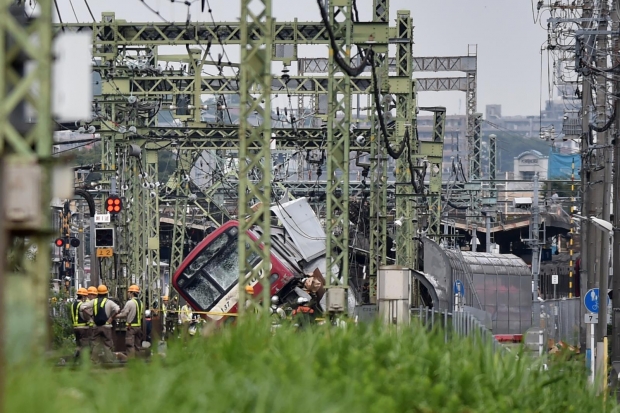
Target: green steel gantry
[115,42]
[25,179]
[404,89]
[338,145]
[378,161]
[254,153]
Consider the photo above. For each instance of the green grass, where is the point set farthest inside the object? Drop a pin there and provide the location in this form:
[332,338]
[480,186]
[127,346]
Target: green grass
[360,369]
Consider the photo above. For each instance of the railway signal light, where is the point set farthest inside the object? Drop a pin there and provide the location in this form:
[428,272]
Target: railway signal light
[113,205]
[67,242]
[104,237]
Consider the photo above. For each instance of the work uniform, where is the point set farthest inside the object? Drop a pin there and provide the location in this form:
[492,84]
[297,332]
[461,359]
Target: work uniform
[103,308]
[185,317]
[80,325]
[132,312]
[171,320]
[87,310]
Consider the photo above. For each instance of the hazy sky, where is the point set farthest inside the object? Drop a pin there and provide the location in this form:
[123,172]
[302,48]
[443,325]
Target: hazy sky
[509,65]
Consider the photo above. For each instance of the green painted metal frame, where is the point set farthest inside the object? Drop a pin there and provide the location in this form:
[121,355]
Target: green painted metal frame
[435,158]
[137,229]
[153,285]
[378,162]
[110,32]
[25,332]
[403,88]
[254,152]
[213,137]
[475,171]
[338,146]
[181,193]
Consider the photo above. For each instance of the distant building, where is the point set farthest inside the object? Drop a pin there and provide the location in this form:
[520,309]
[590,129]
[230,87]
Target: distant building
[455,135]
[529,163]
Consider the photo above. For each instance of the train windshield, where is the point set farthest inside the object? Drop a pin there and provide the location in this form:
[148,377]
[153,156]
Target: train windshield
[213,271]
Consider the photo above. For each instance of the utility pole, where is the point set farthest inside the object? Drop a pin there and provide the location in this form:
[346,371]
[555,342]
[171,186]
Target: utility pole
[615,337]
[534,232]
[586,268]
[602,196]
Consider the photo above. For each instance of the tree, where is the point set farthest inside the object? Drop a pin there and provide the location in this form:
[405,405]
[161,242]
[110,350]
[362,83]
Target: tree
[509,146]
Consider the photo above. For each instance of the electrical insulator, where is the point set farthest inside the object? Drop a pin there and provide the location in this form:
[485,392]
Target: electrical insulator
[113,205]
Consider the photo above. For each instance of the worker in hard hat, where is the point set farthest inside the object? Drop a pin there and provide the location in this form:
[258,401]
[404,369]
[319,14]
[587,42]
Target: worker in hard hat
[133,313]
[87,309]
[92,293]
[104,311]
[249,290]
[80,321]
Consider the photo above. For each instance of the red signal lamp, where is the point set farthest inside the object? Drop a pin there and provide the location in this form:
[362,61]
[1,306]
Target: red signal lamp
[59,242]
[113,205]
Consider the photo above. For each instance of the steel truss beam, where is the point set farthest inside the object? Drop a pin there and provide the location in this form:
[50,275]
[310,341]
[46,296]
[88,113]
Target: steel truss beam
[180,189]
[110,32]
[167,86]
[475,171]
[378,165]
[25,148]
[129,231]
[468,84]
[434,155]
[211,137]
[254,152]
[420,64]
[137,236]
[405,112]
[338,144]
[152,291]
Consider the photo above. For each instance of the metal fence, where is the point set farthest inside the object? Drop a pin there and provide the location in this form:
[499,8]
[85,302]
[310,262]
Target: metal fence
[459,323]
[559,319]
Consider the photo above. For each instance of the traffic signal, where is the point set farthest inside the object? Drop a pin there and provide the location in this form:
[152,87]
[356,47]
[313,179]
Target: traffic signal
[113,205]
[67,242]
[104,237]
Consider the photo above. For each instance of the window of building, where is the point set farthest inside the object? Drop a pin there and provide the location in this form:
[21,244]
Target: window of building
[527,175]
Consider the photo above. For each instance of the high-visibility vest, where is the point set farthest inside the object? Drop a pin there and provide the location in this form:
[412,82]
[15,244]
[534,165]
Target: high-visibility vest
[137,322]
[99,311]
[76,316]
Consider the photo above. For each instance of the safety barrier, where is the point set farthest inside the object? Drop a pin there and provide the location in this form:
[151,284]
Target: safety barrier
[215,313]
[459,323]
[559,319]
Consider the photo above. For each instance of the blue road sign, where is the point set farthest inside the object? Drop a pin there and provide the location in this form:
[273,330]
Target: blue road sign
[459,288]
[590,300]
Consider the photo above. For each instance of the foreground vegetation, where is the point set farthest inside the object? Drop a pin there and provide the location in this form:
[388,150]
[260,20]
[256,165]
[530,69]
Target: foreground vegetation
[360,369]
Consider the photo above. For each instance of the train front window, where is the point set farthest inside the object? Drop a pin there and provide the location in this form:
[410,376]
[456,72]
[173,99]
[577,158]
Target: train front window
[224,268]
[214,270]
[202,292]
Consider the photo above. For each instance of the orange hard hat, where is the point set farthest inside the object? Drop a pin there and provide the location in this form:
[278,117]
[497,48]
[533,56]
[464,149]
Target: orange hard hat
[92,290]
[134,289]
[249,289]
[102,289]
[82,291]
